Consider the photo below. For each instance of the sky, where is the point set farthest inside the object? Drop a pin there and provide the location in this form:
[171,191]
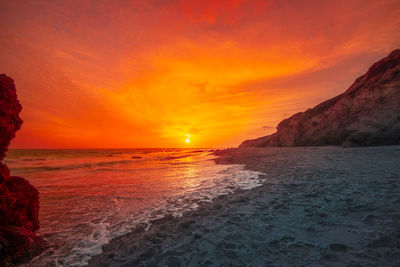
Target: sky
[128,74]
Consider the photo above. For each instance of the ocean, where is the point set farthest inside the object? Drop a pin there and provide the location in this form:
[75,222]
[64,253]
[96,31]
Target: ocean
[89,197]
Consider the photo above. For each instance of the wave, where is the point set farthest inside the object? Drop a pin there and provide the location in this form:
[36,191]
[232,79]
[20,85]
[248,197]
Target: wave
[33,159]
[72,166]
[177,157]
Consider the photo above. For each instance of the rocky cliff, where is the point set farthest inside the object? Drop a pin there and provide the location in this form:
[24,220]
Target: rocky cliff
[368,113]
[19,200]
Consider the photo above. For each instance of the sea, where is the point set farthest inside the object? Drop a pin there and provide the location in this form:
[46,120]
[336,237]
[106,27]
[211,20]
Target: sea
[91,196]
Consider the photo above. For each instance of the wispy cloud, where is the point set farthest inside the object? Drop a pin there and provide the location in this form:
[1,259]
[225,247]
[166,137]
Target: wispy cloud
[146,73]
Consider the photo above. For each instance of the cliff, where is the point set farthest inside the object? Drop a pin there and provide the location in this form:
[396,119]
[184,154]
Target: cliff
[19,200]
[368,113]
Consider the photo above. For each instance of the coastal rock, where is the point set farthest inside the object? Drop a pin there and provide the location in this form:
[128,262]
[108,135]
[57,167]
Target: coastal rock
[368,113]
[19,200]
[10,122]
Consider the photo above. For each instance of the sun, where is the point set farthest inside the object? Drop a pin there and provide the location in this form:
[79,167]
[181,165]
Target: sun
[187,140]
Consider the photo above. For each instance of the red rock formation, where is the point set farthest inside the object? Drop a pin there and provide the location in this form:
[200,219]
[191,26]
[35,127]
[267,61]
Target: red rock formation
[10,122]
[19,200]
[368,113]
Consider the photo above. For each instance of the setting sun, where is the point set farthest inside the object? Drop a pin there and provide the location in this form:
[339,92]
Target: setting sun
[187,140]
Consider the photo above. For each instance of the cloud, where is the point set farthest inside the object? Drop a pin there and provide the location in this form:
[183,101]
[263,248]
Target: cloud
[145,73]
[222,12]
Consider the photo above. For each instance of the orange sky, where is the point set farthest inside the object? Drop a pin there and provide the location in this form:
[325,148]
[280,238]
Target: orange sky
[105,74]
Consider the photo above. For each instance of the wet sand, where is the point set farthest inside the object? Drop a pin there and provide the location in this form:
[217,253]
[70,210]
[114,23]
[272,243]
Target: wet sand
[317,207]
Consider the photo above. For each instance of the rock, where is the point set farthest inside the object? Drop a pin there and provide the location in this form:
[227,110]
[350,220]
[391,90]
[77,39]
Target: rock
[19,200]
[25,210]
[10,122]
[368,113]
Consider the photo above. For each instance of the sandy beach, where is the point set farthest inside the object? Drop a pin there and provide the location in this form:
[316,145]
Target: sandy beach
[325,206]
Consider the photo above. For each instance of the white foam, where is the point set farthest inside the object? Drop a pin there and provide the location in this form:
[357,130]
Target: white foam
[89,246]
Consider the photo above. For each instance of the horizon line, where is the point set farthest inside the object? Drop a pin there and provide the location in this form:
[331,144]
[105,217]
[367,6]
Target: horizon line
[123,148]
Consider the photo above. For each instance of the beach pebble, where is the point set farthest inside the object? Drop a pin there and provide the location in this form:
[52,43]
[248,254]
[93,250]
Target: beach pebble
[368,219]
[140,227]
[155,240]
[197,236]
[268,226]
[231,253]
[218,206]
[337,247]
[229,245]
[161,234]
[274,244]
[185,225]
[173,262]
[310,229]
[118,258]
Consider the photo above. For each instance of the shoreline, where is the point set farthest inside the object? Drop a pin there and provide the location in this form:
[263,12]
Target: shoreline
[301,216]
